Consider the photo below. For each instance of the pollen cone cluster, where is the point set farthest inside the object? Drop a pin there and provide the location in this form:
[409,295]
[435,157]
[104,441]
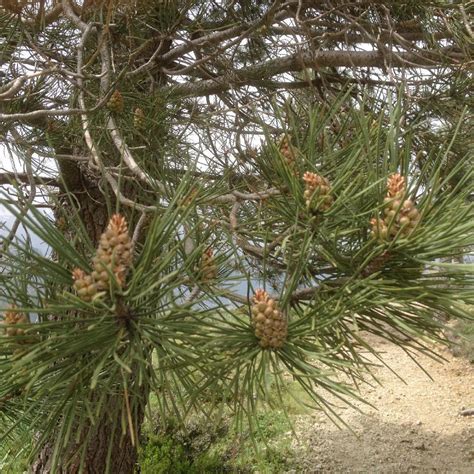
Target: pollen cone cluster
[396,185]
[12,318]
[270,325]
[208,265]
[138,118]
[378,228]
[317,192]
[287,151]
[114,254]
[112,260]
[400,214]
[115,103]
[85,286]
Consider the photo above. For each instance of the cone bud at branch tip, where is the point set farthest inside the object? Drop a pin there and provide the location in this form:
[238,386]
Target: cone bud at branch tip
[114,253]
[138,118]
[112,259]
[396,185]
[400,214]
[12,318]
[317,193]
[269,324]
[208,265]
[287,150]
[115,103]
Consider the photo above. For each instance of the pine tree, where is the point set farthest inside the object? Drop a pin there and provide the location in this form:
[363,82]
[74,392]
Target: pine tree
[186,149]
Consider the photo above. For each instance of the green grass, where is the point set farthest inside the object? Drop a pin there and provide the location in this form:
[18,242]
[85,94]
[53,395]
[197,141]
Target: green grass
[206,446]
[189,450]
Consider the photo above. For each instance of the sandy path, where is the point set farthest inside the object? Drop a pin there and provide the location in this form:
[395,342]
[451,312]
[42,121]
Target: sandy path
[415,427]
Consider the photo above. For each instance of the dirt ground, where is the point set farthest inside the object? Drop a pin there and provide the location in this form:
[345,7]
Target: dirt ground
[414,427]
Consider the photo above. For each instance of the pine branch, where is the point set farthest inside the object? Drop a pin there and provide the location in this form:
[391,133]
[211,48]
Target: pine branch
[317,59]
[23,178]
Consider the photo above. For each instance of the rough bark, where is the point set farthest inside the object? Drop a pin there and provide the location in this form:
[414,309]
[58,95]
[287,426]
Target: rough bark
[123,457]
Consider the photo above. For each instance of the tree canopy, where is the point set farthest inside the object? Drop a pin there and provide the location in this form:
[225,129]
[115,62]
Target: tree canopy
[239,192]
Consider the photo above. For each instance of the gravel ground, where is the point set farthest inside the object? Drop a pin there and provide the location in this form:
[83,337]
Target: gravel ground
[414,426]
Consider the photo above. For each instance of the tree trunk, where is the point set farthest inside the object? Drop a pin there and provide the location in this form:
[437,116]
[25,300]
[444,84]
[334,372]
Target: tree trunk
[123,455]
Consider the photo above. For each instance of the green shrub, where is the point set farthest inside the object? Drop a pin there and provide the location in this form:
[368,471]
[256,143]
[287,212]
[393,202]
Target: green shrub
[165,454]
[202,445]
[162,454]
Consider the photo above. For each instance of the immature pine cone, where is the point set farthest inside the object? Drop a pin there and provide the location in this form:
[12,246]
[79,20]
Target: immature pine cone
[270,325]
[114,254]
[115,103]
[287,150]
[317,192]
[84,284]
[208,266]
[113,257]
[138,118]
[400,214]
[13,318]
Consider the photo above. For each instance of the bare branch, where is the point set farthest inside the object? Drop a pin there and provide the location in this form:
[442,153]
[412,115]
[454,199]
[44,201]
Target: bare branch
[127,156]
[14,86]
[316,59]
[138,229]
[35,114]
[24,178]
